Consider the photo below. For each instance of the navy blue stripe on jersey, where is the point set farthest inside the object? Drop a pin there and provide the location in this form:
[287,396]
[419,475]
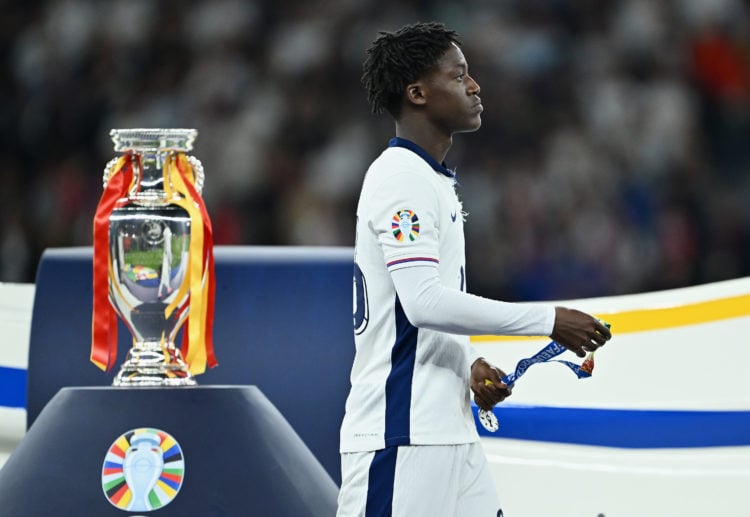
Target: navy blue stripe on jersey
[398,384]
[408,144]
[380,483]
[412,259]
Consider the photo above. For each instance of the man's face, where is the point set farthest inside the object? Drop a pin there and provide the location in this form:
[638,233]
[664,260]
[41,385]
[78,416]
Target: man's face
[452,95]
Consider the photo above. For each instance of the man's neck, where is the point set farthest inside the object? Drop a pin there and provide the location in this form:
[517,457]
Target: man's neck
[434,143]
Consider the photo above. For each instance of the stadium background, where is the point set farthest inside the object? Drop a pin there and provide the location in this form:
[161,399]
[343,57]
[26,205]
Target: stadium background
[613,156]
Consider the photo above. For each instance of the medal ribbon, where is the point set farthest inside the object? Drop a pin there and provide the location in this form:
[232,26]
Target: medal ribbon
[120,180]
[487,417]
[547,354]
[197,342]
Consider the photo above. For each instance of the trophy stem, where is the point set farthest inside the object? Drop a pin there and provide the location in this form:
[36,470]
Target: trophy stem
[153,363]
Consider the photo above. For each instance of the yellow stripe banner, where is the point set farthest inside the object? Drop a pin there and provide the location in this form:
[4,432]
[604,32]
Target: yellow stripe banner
[641,320]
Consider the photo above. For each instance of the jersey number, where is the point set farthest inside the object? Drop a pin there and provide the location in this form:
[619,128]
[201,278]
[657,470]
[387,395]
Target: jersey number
[361,304]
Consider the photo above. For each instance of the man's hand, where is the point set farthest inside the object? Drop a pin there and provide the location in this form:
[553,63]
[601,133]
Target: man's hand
[578,331]
[486,384]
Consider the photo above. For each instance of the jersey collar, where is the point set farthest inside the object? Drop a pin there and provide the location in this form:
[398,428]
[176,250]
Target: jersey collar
[438,167]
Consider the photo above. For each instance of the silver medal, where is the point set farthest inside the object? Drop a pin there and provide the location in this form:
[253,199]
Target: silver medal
[488,420]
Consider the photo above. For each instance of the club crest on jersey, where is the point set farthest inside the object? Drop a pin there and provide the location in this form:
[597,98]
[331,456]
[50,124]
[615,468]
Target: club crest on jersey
[405,225]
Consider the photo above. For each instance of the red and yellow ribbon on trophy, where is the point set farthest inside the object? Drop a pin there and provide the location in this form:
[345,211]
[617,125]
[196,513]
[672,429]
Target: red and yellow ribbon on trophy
[199,285]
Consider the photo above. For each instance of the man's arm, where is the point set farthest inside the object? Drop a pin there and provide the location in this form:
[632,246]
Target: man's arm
[429,304]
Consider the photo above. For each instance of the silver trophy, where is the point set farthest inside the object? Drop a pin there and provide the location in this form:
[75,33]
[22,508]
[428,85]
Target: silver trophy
[149,248]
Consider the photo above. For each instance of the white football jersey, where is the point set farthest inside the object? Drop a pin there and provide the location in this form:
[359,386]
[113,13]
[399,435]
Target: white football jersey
[409,385]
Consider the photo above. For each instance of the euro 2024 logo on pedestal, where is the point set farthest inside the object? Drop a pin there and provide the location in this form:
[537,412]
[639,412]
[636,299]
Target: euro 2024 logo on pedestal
[143,470]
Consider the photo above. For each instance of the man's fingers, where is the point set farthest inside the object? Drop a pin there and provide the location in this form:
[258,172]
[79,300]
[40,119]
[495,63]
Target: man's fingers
[498,387]
[598,338]
[482,402]
[592,344]
[602,328]
[579,351]
[489,393]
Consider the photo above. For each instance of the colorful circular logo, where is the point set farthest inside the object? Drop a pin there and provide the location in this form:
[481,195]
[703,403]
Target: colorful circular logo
[143,470]
[405,225]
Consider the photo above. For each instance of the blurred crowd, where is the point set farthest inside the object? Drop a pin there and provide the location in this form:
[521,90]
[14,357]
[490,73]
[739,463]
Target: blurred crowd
[613,157]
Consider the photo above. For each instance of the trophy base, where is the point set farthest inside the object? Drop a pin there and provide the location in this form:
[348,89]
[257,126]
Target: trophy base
[131,379]
[154,364]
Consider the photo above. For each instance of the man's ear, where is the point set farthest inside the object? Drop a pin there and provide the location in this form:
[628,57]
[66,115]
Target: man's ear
[416,94]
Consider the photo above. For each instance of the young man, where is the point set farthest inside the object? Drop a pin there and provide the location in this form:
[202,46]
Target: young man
[408,440]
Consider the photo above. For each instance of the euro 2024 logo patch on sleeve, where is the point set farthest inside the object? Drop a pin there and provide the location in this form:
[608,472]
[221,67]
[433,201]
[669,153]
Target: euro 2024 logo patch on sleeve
[405,225]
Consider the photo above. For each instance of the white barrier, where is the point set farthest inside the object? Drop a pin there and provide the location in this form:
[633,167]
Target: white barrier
[16,303]
[684,352]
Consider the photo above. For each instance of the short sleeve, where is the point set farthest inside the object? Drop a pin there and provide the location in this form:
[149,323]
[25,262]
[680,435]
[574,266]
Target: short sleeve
[404,216]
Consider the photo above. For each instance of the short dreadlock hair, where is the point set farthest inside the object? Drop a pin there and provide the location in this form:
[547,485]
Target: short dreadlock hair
[396,59]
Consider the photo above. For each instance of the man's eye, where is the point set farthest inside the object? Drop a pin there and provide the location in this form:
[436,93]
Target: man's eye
[460,77]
